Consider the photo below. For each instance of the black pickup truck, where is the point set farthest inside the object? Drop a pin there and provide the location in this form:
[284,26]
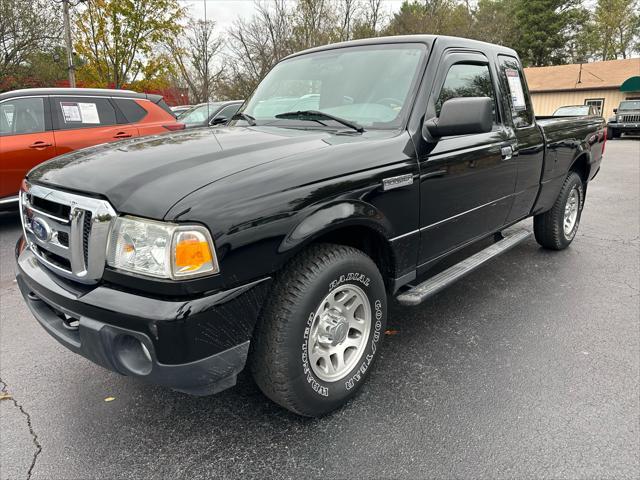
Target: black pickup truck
[354,174]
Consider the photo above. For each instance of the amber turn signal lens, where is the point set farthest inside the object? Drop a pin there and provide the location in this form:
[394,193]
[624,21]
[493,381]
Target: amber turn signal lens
[192,254]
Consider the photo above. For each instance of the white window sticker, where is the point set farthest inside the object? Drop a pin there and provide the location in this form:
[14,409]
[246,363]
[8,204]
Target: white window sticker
[89,113]
[80,112]
[515,86]
[70,112]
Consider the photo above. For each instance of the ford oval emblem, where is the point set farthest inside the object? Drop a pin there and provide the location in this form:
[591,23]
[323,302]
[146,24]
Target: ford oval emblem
[41,229]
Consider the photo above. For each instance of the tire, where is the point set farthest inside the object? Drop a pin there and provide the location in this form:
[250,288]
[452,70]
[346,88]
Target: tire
[549,227]
[610,133]
[617,134]
[290,358]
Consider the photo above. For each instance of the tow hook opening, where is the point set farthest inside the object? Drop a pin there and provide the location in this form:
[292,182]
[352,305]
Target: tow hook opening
[133,355]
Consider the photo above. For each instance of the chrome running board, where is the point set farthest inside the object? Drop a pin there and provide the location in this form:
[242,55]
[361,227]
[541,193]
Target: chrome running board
[433,285]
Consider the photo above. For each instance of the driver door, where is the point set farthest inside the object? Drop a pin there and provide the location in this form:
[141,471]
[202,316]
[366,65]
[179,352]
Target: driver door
[467,182]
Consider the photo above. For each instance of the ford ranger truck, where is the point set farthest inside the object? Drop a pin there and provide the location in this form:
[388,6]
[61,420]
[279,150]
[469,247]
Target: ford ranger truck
[356,173]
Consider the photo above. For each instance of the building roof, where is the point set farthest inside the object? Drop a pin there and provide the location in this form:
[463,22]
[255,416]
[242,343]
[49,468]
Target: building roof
[586,76]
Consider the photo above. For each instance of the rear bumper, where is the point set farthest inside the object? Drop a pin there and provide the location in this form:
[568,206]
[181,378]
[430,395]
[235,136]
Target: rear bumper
[133,335]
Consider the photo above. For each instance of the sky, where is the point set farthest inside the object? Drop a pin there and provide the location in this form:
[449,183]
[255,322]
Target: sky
[224,12]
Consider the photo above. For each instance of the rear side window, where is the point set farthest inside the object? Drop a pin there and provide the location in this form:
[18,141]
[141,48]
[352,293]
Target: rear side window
[130,109]
[515,85]
[21,116]
[467,80]
[83,112]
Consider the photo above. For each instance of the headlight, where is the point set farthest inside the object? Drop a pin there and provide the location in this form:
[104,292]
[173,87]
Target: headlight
[161,249]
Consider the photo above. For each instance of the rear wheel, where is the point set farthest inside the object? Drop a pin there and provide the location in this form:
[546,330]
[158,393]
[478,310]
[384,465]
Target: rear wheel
[321,330]
[557,228]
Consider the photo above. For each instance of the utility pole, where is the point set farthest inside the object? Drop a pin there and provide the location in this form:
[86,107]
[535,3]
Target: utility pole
[67,38]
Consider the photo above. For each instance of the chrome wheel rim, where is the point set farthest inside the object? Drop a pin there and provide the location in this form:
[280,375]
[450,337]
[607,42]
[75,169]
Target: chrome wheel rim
[571,211]
[339,332]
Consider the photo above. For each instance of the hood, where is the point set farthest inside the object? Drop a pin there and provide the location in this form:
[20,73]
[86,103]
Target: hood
[147,176]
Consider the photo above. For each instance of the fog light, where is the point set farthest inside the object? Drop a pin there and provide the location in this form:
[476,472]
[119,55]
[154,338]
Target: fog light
[133,355]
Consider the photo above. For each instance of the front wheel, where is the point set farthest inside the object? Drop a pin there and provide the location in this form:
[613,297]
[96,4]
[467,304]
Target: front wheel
[321,330]
[557,228]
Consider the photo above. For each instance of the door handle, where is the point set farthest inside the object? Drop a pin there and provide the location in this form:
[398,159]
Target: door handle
[40,144]
[506,152]
[122,135]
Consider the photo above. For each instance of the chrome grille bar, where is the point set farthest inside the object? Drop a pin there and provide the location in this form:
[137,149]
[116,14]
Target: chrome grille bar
[630,118]
[86,231]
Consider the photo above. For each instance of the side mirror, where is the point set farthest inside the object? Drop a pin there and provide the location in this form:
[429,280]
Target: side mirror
[460,116]
[615,110]
[219,121]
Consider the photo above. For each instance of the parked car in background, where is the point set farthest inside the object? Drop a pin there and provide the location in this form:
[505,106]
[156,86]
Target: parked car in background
[208,114]
[178,109]
[38,124]
[576,111]
[625,120]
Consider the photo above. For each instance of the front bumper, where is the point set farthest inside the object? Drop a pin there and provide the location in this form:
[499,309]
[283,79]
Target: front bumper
[625,127]
[197,346]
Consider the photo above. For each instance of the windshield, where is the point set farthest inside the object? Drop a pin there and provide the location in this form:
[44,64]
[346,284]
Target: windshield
[199,114]
[367,85]
[633,105]
[572,111]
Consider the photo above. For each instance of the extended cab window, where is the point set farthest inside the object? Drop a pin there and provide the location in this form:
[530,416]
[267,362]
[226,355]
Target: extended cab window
[22,115]
[467,80]
[515,85]
[83,112]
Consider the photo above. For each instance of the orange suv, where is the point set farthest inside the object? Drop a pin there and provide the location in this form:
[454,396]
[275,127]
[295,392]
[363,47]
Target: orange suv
[38,124]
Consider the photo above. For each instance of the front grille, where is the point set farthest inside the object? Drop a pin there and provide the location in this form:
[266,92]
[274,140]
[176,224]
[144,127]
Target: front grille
[630,118]
[51,208]
[86,231]
[57,260]
[63,238]
[67,232]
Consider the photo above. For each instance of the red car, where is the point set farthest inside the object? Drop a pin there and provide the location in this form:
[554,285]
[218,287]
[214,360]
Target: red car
[38,124]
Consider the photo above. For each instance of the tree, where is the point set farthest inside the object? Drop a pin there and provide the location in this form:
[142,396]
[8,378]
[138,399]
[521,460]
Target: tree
[437,17]
[545,28]
[27,29]
[492,13]
[196,58]
[254,46]
[614,29]
[370,21]
[118,39]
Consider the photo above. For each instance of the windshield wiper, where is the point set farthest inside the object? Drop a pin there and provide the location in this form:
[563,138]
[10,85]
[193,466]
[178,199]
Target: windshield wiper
[246,117]
[316,115]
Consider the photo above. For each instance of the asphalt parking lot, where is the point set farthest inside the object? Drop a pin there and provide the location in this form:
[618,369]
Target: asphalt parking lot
[528,368]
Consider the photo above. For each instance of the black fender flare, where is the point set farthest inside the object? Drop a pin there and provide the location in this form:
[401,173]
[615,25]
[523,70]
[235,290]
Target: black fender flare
[319,220]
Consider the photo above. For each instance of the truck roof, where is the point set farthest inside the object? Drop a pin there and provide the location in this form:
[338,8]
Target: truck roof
[428,40]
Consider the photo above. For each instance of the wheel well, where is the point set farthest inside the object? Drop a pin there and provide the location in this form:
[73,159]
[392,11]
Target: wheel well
[581,167]
[369,241]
